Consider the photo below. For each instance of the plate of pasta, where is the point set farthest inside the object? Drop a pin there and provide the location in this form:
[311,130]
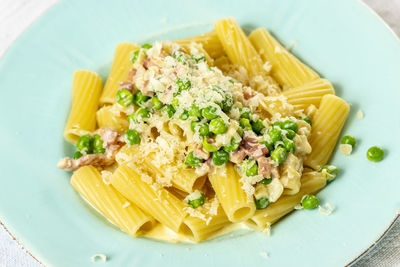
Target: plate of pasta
[210,136]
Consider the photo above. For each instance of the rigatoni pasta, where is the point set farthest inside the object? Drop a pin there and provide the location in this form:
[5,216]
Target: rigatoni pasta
[119,70]
[286,68]
[86,89]
[192,138]
[89,183]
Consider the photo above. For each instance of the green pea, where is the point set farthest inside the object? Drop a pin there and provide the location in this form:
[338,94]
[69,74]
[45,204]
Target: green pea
[278,124]
[195,203]
[227,104]
[233,146]
[289,145]
[192,160]
[143,113]
[240,132]
[195,111]
[208,147]
[306,119]
[245,113]
[290,134]
[331,172]
[185,115]
[275,134]
[77,155]
[210,113]
[85,144]
[175,103]
[266,181]
[218,126]
[124,97]
[168,110]
[350,140]
[147,46]
[250,167]
[261,203]
[98,145]
[269,145]
[132,136]
[157,104]
[220,157]
[198,58]
[310,202]
[193,125]
[183,85]
[135,56]
[375,154]
[204,129]
[290,125]
[279,155]
[257,126]
[245,123]
[139,98]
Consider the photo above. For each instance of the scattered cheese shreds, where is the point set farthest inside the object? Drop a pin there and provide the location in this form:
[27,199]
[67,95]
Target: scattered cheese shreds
[264,254]
[126,204]
[267,231]
[95,257]
[298,207]
[106,176]
[360,114]
[346,149]
[326,209]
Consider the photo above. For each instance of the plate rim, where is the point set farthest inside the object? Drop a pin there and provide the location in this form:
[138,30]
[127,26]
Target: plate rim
[38,19]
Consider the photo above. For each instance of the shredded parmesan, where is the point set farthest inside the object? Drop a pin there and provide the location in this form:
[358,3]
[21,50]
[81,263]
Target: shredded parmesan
[264,254]
[95,257]
[326,209]
[360,114]
[346,149]
[106,177]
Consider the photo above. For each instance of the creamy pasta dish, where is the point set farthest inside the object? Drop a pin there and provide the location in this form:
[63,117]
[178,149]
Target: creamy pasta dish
[193,138]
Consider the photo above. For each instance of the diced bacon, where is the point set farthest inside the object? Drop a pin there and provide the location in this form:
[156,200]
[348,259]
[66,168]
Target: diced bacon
[257,151]
[249,142]
[97,160]
[238,156]
[125,85]
[147,63]
[112,142]
[264,167]
[132,75]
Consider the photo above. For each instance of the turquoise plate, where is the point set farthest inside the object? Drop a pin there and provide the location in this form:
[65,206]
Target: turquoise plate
[346,42]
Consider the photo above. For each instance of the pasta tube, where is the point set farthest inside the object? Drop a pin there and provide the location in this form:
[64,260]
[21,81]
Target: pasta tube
[157,201]
[311,183]
[327,125]
[234,200]
[119,71]
[127,216]
[86,89]
[286,68]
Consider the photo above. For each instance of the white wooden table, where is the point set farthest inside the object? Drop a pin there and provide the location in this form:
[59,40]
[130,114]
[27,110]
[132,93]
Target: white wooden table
[17,15]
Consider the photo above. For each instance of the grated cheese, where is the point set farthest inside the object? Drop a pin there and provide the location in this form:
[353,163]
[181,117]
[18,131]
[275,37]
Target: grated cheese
[264,254]
[95,257]
[106,177]
[327,209]
[360,114]
[346,149]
